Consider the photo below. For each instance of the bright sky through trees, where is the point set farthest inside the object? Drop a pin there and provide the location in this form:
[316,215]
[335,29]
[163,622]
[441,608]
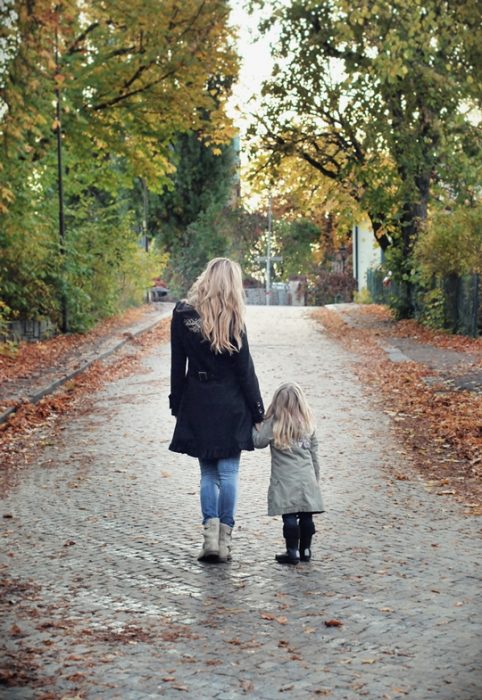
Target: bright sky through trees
[256,64]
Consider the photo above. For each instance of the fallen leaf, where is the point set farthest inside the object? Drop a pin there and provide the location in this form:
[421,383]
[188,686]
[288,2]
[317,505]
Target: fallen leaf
[333,623]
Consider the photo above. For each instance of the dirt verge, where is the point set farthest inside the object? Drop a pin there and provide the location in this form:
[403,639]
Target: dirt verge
[440,429]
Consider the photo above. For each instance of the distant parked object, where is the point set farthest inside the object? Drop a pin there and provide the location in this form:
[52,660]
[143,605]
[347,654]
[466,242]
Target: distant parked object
[159,290]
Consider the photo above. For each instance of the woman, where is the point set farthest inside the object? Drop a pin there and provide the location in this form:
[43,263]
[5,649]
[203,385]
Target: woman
[217,400]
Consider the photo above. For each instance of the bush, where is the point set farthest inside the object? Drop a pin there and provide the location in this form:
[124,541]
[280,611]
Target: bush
[451,243]
[326,287]
[363,296]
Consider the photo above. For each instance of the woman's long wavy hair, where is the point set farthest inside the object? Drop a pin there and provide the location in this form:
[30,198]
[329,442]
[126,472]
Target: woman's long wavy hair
[292,417]
[218,297]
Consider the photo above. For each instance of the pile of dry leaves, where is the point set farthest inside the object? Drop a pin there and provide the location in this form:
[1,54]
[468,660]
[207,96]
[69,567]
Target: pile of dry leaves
[440,428]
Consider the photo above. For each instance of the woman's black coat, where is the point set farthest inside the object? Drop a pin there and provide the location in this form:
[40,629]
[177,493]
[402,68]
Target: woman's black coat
[217,401]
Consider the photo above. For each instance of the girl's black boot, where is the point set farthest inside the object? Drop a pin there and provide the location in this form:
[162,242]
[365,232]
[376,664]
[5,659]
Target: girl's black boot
[307,530]
[292,538]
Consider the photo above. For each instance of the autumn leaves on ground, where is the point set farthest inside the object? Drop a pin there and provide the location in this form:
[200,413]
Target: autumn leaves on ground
[17,444]
[439,429]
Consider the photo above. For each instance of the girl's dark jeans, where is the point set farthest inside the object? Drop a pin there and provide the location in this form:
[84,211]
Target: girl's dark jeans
[291,519]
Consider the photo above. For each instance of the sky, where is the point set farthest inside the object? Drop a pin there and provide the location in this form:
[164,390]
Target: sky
[256,66]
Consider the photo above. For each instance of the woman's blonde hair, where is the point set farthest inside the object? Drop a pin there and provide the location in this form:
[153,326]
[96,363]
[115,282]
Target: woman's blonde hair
[292,417]
[218,297]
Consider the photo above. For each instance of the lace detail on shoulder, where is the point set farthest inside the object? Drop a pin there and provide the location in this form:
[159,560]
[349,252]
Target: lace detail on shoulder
[193,324]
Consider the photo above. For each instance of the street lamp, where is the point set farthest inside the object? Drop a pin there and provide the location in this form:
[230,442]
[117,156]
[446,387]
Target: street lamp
[343,255]
[60,169]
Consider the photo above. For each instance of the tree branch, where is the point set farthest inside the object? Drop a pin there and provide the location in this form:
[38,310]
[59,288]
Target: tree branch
[74,47]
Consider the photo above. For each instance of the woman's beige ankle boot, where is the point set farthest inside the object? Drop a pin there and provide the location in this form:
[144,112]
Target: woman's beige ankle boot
[210,548]
[225,542]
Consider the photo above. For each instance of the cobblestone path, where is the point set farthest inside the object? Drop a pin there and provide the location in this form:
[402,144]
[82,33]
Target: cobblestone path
[105,598]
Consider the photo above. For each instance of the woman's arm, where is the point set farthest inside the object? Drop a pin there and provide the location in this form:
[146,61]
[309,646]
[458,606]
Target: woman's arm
[244,368]
[178,363]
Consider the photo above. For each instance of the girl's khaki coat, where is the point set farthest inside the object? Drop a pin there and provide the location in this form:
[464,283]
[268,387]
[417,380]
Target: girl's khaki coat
[295,474]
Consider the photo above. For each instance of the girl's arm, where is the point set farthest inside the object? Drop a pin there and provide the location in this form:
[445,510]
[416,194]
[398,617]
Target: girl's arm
[263,436]
[314,455]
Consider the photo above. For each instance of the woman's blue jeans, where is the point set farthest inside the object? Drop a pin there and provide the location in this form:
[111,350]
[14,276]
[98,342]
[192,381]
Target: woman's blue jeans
[219,488]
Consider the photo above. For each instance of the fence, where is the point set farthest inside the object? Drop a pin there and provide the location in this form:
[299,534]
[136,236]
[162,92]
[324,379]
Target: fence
[452,302]
[28,329]
[280,295]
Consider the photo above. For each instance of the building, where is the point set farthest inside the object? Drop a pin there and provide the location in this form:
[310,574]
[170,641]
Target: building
[366,252]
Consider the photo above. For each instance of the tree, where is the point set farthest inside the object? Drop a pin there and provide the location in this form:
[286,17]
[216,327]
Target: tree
[130,77]
[299,191]
[376,96]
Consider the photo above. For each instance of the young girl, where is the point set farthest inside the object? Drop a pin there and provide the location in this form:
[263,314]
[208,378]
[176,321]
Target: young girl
[294,490]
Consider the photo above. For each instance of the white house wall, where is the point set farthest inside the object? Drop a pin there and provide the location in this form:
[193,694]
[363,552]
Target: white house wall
[367,253]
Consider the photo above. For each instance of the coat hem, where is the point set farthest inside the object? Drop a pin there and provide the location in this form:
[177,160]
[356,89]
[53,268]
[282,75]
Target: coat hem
[211,453]
[285,511]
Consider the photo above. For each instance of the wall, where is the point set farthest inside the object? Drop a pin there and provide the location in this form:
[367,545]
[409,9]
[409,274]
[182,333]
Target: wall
[367,254]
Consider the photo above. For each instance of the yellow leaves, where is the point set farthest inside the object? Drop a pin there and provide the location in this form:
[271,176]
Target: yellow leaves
[6,194]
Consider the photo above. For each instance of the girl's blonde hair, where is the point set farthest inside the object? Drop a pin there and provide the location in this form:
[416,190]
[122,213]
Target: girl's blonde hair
[218,297]
[292,417]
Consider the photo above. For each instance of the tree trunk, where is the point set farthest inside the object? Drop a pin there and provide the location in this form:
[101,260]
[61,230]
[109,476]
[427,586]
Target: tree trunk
[412,220]
[380,237]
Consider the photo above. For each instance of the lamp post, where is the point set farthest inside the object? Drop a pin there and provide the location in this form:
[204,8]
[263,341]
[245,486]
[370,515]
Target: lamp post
[60,170]
[268,251]
[343,253]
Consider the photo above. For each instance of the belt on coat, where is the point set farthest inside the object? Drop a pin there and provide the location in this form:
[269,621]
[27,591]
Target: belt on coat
[203,376]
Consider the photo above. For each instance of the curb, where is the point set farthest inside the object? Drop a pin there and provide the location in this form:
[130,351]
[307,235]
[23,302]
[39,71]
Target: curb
[393,353]
[35,398]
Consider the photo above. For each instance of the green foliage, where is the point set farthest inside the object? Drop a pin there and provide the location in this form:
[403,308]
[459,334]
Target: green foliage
[105,268]
[431,307]
[202,180]
[451,243]
[363,297]
[380,97]
[197,217]
[129,79]
[296,241]
[202,241]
